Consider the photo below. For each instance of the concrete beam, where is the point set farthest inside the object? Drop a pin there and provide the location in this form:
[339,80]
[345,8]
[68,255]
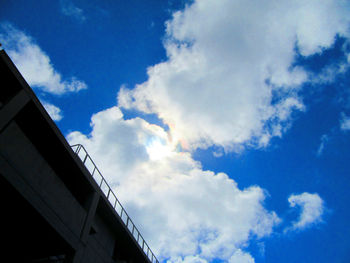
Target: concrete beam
[11,109]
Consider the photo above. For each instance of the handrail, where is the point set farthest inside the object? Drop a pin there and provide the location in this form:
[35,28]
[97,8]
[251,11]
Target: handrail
[112,198]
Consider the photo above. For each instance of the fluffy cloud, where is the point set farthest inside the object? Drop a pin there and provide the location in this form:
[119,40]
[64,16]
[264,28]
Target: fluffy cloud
[312,208]
[54,112]
[241,257]
[34,64]
[230,78]
[199,215]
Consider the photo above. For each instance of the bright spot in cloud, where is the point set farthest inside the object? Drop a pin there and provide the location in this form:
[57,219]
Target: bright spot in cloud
[158,150]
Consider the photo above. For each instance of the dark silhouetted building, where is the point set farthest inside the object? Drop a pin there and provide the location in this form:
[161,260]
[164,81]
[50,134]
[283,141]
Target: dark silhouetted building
[55,205]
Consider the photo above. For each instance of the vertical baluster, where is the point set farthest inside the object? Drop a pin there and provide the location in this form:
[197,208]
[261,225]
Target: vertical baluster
[85,158]
[78,149]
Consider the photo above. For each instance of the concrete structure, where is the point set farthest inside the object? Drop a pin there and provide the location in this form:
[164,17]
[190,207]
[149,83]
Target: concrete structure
[52,209]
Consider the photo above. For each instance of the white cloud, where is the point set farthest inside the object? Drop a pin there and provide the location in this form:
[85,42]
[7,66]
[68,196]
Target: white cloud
[185,213]
[69,9]
[54,112]
[34,64]
[345,122]
[229,79]
[312,209]
[240,257]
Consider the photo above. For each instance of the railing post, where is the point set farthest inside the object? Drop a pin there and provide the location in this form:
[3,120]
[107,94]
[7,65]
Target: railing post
[78,149]
[86,156]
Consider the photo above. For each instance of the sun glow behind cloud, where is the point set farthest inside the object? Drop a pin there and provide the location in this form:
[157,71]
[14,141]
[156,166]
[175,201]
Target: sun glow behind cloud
[158,150]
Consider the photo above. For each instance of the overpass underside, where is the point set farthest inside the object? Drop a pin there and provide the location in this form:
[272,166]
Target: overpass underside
[52,210]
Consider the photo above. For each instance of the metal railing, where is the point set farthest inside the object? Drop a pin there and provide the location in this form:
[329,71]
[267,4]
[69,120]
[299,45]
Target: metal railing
[111,197]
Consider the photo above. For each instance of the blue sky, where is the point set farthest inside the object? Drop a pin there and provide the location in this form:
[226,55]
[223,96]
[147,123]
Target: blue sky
[223,126]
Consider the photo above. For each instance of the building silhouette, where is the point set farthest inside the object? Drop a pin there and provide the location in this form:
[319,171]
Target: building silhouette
[55,204]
